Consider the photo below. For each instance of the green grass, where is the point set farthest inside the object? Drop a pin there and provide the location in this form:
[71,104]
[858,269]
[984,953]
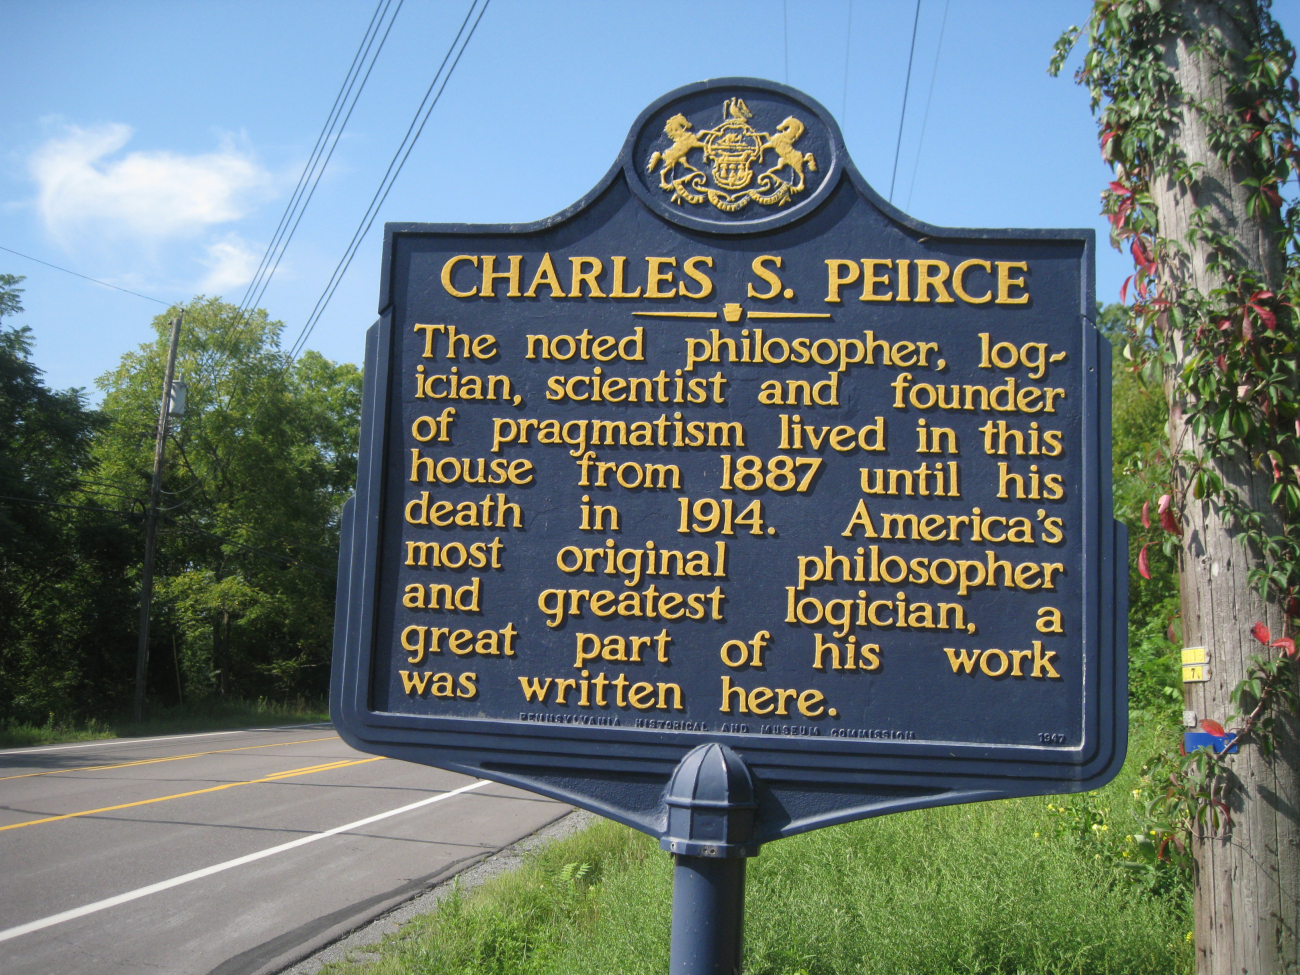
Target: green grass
[213,714]
[1005,887]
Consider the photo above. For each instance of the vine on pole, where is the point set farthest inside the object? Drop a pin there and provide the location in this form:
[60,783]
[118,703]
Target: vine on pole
[1226,356]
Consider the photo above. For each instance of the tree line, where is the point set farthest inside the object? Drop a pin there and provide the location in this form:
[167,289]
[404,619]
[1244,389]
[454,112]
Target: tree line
[254,477]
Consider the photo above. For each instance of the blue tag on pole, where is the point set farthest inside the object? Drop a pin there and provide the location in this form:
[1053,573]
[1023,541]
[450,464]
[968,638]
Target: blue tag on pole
[1193,740]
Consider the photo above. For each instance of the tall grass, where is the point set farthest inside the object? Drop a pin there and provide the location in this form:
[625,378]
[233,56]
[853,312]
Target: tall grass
[986,888]
[205,715]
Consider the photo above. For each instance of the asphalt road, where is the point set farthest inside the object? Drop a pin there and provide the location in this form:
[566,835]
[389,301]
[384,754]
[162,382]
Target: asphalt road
[231,853]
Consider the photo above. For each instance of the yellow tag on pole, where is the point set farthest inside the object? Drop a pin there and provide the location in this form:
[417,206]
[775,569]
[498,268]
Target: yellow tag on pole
[1195,673]
[1194,655]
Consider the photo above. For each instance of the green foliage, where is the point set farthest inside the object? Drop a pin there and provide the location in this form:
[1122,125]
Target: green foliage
[255,474]
[64,604]
[992,887]
[1140,474]
[254,478]
[10,303]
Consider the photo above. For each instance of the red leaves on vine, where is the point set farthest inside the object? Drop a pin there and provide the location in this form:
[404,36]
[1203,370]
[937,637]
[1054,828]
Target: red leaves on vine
[1264,314]
[1125,195]
[1167,520]
[1213,727]
[1284,643]
[1142,257]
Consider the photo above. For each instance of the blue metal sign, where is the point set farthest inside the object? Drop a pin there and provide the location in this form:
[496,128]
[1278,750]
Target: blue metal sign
[732,451]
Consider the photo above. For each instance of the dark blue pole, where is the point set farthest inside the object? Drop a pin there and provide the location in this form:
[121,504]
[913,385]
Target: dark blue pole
[710,800]
[708,916]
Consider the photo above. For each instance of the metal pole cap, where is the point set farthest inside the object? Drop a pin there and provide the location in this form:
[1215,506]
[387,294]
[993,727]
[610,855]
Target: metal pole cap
[710,800]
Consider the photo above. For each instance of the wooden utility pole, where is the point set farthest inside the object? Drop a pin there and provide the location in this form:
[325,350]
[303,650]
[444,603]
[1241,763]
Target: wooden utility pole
[1247,875]
[151,523]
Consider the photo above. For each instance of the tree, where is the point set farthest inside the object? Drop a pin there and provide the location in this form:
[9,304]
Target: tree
[10,302]
[63,597]
[256,473]
[1197,111]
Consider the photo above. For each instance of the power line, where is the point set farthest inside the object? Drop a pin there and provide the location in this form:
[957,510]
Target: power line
[87,277]
[313,170]
[59,504]
[315,152]
[345,101]
[925,118]
[381,193]
[785,36]
[391,174]
[319,160]
[848,33]
[906,87]
[386,183]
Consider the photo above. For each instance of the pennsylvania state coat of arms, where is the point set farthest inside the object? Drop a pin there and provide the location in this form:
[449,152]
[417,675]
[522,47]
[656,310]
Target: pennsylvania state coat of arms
[731,151]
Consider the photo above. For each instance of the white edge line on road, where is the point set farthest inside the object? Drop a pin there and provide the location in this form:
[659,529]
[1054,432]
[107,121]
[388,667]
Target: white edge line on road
[139,892]
[147,740]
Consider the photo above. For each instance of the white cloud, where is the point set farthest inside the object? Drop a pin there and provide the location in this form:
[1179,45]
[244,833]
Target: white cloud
[230,264]
[151,195]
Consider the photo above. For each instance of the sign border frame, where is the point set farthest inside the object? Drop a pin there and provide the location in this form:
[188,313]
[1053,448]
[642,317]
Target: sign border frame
[554,759]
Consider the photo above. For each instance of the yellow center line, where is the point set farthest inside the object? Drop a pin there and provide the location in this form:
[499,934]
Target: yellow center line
[168,758]
[329,766]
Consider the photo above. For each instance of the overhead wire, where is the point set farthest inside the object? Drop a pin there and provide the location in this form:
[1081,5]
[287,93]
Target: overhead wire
[395,165]
[925,117]
[87,277]
[785,36]
[330,134]
[907,85]
[317,163]
[345,101]
[848,34]
[314,155]
[96,491]
[394,168]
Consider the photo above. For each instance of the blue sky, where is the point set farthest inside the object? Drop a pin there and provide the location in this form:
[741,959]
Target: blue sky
[154,145]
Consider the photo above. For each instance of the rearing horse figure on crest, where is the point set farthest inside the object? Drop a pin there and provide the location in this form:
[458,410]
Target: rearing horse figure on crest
[678,128]
[787,134]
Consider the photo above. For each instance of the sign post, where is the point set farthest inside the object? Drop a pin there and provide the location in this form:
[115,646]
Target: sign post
[733,502]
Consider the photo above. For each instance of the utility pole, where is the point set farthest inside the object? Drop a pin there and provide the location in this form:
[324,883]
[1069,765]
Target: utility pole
[151,523]
[1247,912]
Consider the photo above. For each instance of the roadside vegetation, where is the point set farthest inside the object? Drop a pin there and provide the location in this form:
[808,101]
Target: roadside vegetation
[1043,886]
[255,475]
[1068,884]
[209,714]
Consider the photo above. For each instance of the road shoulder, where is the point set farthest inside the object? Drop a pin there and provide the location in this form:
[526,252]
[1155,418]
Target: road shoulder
[353,938]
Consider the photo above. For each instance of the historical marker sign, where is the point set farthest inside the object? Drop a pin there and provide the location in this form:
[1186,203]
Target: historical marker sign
[734,451]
